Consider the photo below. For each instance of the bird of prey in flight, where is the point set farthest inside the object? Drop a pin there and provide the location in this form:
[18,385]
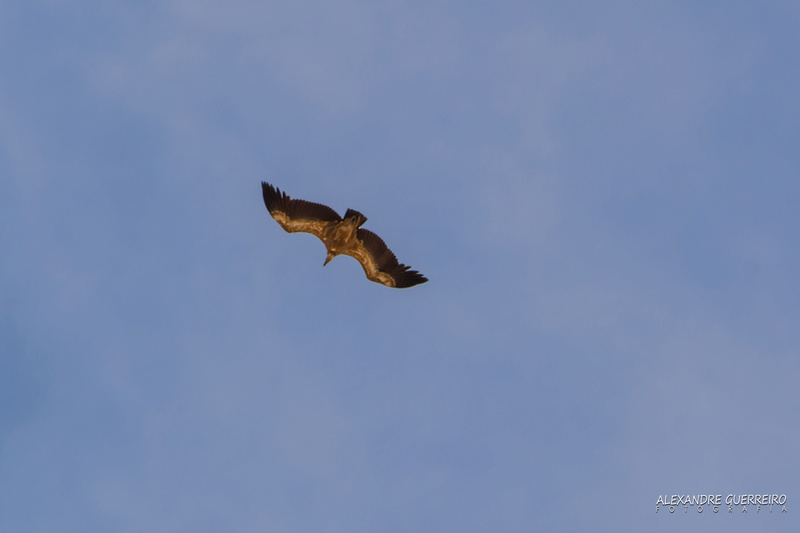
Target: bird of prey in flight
[341,236]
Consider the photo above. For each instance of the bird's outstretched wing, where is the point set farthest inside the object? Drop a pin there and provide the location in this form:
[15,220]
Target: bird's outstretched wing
[380,264]
[297,215]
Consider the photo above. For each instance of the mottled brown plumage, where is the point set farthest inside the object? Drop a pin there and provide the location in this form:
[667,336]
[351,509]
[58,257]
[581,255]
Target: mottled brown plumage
[341,236]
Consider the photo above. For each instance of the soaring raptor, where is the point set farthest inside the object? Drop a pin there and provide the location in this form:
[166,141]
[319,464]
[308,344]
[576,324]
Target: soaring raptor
[341,236]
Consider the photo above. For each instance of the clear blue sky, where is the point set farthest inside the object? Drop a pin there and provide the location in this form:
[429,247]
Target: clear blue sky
[604,196]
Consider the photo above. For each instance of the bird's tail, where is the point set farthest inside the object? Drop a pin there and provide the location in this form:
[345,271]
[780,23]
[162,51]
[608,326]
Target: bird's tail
[359,218]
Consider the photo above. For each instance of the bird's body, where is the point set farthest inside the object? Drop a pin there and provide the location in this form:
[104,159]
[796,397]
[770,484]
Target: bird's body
[341,236]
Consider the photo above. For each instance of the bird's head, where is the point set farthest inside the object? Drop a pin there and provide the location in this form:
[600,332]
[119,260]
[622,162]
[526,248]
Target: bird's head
[329,257]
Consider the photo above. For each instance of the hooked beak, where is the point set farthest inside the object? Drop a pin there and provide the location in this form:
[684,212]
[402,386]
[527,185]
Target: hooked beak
[327,259]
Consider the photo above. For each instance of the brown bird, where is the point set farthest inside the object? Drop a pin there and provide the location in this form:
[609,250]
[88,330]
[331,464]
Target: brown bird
[341,236]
